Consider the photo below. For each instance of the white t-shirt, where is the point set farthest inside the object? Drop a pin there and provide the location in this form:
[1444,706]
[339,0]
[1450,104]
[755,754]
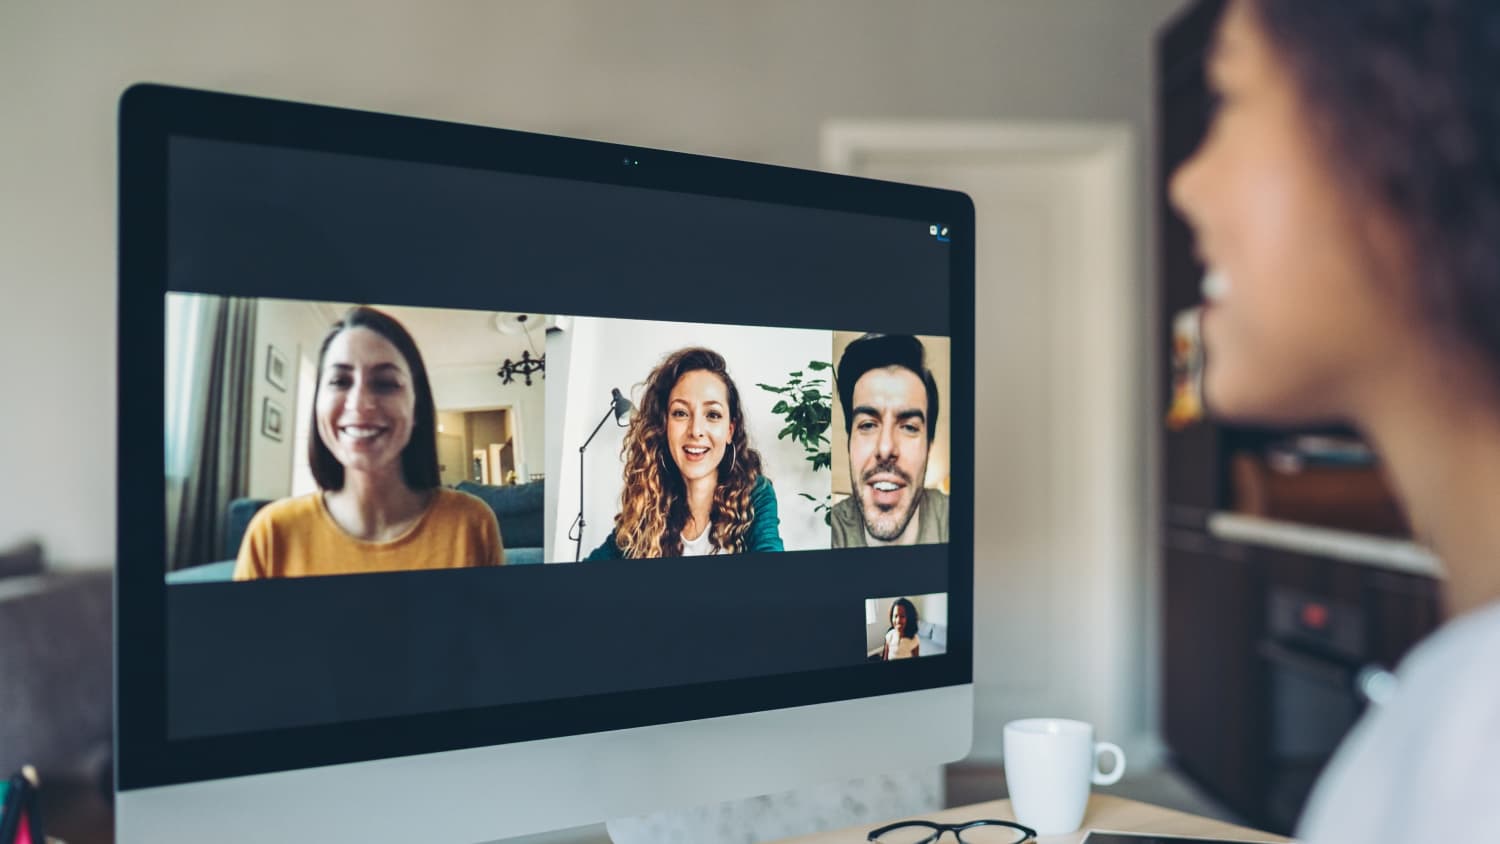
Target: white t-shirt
[700,547]
[1426,765]
[898,646]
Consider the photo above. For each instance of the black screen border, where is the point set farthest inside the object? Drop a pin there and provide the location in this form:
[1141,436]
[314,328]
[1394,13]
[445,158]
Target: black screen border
[150,115]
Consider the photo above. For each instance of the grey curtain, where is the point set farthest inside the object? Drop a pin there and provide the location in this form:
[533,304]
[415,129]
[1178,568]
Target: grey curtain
[220,425]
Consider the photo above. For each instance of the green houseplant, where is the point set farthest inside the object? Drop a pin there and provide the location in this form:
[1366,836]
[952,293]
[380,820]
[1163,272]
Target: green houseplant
[806,406]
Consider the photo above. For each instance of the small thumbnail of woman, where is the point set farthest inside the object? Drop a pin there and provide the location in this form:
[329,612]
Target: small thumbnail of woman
[901,638]
[693,485]
[373,452]
[902,627]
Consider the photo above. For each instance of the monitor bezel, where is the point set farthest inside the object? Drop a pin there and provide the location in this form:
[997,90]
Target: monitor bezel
[150,116]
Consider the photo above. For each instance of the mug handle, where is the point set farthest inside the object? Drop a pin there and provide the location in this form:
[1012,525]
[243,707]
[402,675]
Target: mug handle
[1112,777]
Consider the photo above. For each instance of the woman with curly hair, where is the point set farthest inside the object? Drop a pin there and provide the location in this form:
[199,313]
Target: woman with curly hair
[1346,200]
[693,484]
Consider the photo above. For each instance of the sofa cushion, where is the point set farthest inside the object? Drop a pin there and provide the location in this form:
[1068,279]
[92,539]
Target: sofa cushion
[55,666]
[237,519]
[525,555]
[22,559]
[217,572]
[519,509]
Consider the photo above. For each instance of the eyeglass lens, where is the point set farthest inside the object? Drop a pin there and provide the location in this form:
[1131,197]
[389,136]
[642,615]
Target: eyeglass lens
[987,834]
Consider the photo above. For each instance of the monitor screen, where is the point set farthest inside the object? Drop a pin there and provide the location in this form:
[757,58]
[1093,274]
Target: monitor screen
[469,437]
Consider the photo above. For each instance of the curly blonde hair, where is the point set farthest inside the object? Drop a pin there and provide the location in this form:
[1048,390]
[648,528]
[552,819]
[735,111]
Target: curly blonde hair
[653,505]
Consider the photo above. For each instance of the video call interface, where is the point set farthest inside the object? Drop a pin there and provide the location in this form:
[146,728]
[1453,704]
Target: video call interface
[439,439]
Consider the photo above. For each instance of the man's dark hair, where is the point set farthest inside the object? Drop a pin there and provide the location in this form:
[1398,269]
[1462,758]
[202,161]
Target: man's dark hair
[878,351]
[419,463]
[1406,90]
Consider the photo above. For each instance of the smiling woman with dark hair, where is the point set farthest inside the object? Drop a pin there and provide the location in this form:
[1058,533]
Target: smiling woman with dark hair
[1347,202]
[901,639]
[373,453]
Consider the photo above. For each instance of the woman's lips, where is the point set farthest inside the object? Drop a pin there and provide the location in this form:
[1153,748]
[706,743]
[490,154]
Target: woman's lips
[361,435]
[694,453]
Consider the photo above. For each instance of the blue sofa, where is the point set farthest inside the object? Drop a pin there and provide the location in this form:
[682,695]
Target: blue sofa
[518,510]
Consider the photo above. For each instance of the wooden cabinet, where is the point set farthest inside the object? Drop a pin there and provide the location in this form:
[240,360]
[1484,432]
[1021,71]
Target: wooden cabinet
[1212,722]
[1403,609]
[1251,636]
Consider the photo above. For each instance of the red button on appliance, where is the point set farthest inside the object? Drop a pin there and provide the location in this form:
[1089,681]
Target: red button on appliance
[1315,616]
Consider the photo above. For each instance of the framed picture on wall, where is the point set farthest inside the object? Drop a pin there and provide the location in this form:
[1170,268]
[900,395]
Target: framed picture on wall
[276,367]
[272,419]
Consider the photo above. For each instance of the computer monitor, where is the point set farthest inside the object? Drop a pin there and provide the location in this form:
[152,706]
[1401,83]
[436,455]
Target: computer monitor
[384,380]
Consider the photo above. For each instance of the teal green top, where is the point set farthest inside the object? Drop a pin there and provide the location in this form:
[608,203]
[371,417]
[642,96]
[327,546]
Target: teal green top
[764,533]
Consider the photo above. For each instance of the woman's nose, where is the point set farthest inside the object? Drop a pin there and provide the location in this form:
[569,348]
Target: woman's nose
[1182,187]
[361,396]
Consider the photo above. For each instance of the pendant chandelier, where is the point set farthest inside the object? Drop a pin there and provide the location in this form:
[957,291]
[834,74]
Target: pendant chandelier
[530,362]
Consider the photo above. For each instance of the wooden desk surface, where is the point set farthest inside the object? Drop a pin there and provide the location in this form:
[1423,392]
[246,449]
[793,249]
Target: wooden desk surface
[1105,812]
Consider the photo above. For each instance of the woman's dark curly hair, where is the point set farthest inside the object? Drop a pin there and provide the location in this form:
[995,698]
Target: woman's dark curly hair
[1408,92]
[653,505]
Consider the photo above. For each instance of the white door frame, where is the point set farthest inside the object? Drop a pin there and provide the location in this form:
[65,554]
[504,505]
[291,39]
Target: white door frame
[1114,389]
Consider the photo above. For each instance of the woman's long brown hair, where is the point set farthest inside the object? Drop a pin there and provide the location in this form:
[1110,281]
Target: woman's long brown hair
[653,505]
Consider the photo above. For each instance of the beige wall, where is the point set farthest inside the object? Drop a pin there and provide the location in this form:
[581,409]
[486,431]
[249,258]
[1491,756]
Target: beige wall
[750,80]
[487,427]
[296,329]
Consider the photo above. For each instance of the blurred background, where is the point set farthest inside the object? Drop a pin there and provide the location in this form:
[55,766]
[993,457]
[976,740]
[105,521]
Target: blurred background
[1119,562]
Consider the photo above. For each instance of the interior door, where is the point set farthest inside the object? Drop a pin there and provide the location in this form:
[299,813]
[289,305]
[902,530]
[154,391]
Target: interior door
[1048,630]
[452,465]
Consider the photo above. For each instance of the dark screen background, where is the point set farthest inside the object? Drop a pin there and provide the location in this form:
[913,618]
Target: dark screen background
[258,221]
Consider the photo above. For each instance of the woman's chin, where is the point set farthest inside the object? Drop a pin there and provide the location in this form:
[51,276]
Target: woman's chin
[1229,401]
[694,471]
[368,464]
[1255,399]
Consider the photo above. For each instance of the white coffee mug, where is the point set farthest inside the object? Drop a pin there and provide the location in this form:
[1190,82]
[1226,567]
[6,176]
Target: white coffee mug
[1049,765]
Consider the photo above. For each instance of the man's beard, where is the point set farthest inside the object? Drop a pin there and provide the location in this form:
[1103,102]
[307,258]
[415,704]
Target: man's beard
[887,525]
